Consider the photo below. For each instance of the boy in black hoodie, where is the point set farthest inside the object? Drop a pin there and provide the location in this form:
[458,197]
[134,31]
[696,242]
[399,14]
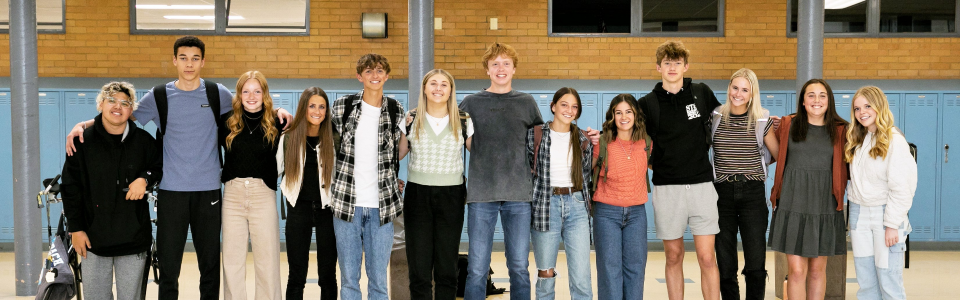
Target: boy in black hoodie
[103,190]
[677,113]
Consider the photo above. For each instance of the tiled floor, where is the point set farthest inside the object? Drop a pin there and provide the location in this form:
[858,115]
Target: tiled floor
[932,276]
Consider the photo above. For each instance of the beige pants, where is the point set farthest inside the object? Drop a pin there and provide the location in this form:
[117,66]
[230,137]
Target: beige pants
[250,209]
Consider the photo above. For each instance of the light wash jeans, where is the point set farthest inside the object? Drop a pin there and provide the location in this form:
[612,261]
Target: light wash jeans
[481,222]
[364,237]
[867,236]
[569,222]
[621,245]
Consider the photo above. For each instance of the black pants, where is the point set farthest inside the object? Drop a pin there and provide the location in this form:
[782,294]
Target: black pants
[433,219]
[742,205]
[301,221]
[199,211]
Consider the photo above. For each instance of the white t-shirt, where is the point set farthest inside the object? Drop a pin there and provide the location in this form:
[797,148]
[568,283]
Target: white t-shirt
[561,158]
[366,149]
[438,124]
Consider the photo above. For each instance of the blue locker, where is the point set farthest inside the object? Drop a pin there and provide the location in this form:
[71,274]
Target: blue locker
[895,107]
[722,97]
[920,118]
[590,115]
[52,137]
[6,171]
[843,103]
[81,105]
[950,172]
[543,102]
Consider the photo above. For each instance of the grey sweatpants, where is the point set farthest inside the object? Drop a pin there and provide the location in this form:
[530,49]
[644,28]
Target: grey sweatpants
[98,275]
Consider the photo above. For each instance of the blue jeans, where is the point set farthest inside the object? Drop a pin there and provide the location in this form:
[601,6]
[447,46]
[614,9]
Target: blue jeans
[867,236]
[569,221]
[620,235]
[481,222]
[354,239]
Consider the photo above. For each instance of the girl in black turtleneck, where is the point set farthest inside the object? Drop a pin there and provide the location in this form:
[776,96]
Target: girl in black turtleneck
[250,139]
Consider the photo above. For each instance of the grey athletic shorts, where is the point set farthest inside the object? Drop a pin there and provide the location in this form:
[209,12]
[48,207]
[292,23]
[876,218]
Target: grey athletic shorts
[676,206]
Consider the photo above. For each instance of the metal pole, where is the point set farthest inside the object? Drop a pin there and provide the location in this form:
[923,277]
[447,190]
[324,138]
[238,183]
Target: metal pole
[25,129]
[420,26]
[809,41]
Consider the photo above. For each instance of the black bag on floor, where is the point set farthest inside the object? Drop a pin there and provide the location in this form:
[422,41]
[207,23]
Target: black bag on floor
[462,278]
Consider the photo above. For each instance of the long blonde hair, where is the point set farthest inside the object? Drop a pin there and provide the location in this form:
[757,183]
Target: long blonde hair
[295,142]
[235,123]
[856,132]
[754,109]
[452,110]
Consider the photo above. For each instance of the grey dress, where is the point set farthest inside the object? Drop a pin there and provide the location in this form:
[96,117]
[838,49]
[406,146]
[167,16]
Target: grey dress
[806,222]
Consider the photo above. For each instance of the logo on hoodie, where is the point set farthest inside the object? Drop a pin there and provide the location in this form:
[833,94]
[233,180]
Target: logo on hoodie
[692,112]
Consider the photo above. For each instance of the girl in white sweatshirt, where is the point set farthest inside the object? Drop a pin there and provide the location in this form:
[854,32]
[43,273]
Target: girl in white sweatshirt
[883,179]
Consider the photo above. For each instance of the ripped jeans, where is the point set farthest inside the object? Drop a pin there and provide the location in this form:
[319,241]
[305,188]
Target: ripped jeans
[570,222]
[879,268]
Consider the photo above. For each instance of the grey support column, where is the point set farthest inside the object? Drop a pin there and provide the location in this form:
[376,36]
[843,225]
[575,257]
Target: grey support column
[420,27]
[25,129]
[809,41]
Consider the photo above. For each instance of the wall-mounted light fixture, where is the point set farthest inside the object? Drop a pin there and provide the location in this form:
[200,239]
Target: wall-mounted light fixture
[374,25]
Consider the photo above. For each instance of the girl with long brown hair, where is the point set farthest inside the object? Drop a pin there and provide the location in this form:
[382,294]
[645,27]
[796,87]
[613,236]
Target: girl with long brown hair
[305,163]
[807,196]
[560,155]
[250,140]
[619,210]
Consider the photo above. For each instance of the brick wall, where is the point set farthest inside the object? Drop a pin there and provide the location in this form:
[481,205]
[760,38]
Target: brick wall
[99,46]
[96,46]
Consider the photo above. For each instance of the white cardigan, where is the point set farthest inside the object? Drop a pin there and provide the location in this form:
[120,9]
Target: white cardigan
[294,190]
[890,181]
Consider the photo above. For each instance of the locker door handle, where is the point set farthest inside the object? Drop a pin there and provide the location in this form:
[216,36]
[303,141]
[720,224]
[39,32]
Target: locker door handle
[946,153]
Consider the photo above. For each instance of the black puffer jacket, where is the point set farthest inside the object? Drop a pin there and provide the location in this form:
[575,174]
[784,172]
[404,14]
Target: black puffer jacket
[92,189]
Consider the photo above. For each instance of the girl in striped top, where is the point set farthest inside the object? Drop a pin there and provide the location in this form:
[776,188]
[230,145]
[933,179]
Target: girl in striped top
[619,210]
[740,159]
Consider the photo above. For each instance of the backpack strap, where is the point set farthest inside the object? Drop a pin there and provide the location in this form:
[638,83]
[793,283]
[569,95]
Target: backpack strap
[160,97]
[213,100]
[650,108]
[537,137]
[393,111]
[648,147]
[700,100]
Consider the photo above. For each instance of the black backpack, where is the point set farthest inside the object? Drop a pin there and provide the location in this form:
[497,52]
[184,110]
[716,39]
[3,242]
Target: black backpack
[213,101]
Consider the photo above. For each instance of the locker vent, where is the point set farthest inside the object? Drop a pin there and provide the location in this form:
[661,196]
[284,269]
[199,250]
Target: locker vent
[4,100]
[923,229]
[281,102]
[922,102]
[951,229]
[81,100]
[50,101]
[952,102]
[6,230]
[771,102]
[587,102]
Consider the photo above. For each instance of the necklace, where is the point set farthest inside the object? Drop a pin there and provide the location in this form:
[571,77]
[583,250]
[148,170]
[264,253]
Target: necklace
[250,128]
[624,149]
[311,145]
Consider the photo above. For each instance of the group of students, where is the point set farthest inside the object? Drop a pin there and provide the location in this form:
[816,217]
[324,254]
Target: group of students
[338,163]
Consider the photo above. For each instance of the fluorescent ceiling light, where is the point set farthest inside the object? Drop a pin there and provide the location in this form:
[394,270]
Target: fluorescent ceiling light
[840,4]
[199,7]
[199,17]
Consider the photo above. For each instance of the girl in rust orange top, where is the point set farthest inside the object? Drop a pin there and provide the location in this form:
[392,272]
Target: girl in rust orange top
[619,211]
